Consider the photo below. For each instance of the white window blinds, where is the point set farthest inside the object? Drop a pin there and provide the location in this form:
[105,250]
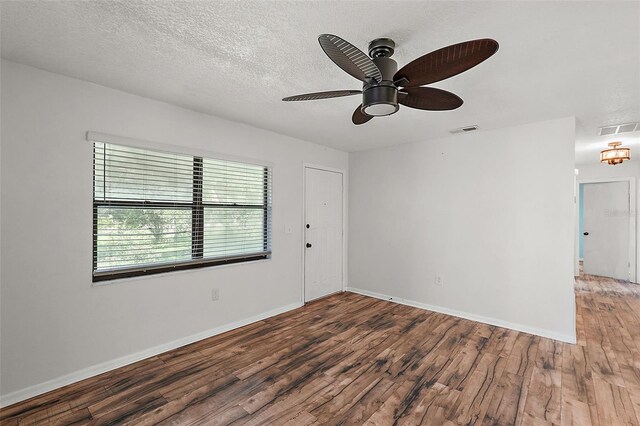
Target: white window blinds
[156,211]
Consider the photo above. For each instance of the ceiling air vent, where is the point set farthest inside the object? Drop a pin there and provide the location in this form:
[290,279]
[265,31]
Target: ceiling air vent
[616,129]
[464,129]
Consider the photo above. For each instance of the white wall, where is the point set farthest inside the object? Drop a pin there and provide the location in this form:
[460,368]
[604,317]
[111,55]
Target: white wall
[55,326]
[601,171]
[492,212]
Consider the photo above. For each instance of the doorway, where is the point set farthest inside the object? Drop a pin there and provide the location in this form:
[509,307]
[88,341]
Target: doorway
[607,228]
[323,232]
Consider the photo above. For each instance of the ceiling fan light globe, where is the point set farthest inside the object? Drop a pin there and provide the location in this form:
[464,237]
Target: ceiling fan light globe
[380,109]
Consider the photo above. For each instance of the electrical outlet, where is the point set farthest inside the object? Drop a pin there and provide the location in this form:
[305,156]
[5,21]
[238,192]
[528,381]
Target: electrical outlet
[438,280]
[215,294]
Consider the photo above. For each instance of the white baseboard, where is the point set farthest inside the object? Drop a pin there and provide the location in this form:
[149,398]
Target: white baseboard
[473,317]
[85,373]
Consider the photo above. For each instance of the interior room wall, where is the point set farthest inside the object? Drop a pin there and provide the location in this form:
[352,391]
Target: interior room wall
[601,171]
[491,213]
[56,327]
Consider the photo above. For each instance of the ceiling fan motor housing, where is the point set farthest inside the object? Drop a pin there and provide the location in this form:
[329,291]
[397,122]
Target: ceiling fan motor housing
[381,98]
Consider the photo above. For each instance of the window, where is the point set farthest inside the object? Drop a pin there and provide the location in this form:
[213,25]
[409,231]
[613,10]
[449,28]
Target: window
[155,211]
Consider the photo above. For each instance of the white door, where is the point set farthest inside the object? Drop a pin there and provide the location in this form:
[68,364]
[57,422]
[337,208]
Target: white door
[323,233]
[606,229]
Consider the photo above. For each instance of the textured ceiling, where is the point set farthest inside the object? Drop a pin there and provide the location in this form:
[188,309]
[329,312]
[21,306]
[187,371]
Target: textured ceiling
[238,59]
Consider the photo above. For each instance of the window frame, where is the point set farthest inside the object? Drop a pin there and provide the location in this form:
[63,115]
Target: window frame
[197,207]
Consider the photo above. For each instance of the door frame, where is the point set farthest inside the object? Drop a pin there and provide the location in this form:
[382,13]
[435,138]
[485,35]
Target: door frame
[634,254]
[343,172]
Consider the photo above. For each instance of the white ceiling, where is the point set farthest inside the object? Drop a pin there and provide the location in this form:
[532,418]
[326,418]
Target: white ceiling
[238,59]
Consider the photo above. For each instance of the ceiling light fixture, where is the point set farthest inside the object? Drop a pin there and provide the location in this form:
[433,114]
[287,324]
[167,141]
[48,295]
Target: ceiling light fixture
[615,155]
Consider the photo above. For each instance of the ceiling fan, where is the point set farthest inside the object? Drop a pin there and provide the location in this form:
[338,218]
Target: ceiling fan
[384,86]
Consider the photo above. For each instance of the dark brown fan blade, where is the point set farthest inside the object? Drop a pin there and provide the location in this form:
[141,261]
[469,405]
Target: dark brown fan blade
[429,98]
[322,95]
[446,62]
[349,58]
[360,117]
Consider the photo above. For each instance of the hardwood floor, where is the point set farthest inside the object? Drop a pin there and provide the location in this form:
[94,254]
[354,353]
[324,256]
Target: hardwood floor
[350,359]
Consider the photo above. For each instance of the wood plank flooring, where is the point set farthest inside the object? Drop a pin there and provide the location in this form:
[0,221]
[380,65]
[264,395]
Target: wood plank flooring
[350,359]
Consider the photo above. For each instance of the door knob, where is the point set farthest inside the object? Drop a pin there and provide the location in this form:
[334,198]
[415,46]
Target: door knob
[308,245]
[585,233]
